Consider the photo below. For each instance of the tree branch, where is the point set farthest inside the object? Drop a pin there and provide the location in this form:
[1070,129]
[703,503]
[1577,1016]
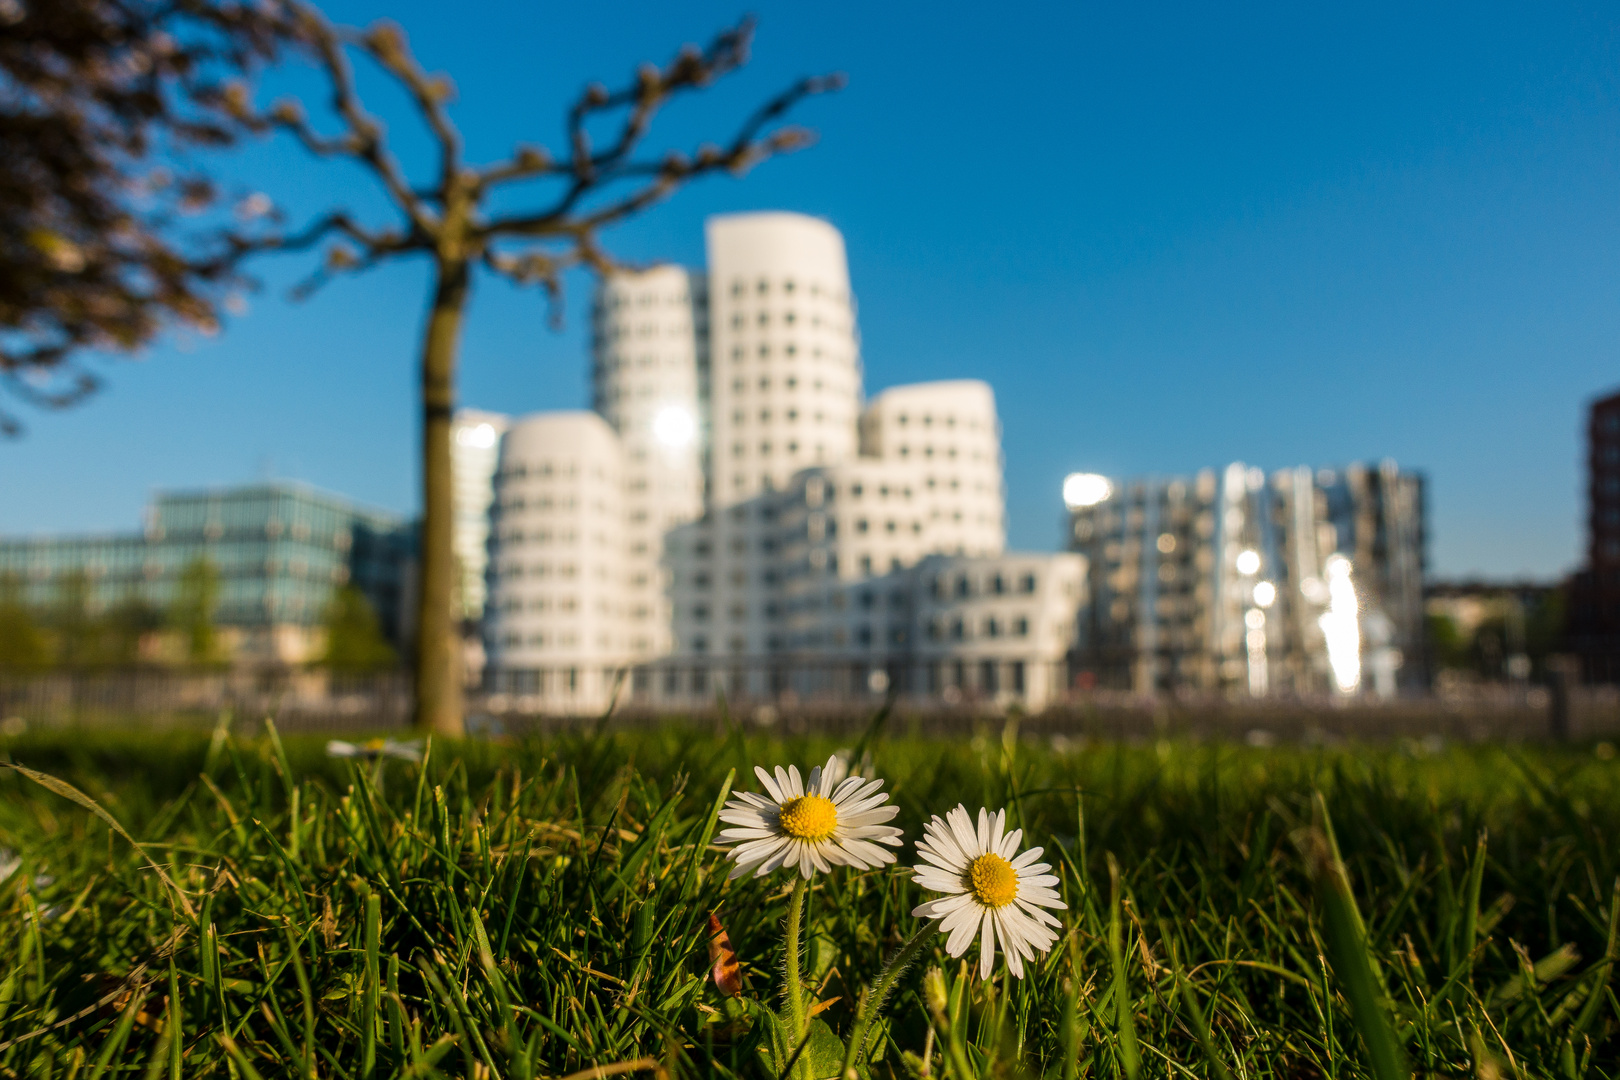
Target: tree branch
[385,43]
[745,150]
[363,139]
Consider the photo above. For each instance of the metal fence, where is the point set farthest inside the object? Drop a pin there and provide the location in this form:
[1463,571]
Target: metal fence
[294,699]
[318,701]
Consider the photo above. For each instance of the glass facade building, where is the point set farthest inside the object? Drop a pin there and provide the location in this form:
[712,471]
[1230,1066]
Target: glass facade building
[280,550]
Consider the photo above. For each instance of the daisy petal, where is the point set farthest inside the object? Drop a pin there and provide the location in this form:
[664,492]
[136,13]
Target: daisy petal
[987,937]
[770,785]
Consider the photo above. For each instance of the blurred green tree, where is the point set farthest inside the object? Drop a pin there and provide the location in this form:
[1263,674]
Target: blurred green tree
[354,639]
[22,643]
[127,624]
[192,613]
[1545,620]
[78,632]
[1447,645]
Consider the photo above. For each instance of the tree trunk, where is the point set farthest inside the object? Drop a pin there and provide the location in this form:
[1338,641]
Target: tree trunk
[438,647]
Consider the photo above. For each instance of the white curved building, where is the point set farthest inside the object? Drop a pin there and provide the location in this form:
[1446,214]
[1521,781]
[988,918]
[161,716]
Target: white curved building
[649,344]
[946,435]
[475,448]
[760,511]
[556,627]
[786,376]
[784,390]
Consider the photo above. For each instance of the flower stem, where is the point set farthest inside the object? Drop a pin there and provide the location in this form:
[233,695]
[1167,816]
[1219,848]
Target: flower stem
[892,970]
[794,990]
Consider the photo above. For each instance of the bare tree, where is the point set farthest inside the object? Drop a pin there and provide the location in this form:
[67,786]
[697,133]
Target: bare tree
[448,218]
[103,104]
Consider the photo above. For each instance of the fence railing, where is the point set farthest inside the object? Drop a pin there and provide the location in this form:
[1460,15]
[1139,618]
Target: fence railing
[294,698]
[318,701]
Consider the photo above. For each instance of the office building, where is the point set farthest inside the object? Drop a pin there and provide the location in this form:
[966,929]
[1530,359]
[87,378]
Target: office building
[650,333]
[475,439]
[1594,603]
[557,622]
[774,537]
[280,550]
[1301,582]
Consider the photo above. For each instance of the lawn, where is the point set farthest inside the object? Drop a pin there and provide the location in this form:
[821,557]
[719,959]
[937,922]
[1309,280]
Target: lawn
[543,908]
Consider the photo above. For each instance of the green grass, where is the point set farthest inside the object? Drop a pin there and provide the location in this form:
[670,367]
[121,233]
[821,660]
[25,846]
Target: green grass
[539,908]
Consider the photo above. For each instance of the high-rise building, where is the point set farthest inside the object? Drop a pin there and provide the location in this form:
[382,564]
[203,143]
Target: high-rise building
[650,345]
[763,509]
[1299,582]
[1594,604]
[785,375]
[784,385]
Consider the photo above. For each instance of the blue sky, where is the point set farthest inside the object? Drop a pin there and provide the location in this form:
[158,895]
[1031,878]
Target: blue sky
[1170,236]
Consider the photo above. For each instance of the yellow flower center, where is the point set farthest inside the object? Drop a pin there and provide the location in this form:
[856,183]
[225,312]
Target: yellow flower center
[992,880]
[375,745]
[809,817]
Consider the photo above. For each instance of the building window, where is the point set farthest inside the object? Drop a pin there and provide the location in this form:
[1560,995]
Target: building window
[1021,627]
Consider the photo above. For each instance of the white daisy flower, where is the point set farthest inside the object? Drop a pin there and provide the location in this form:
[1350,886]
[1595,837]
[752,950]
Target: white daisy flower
[831,821]
[993,889]
[372,749]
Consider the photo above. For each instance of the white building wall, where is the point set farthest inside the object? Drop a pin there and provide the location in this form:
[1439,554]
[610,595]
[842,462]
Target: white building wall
[948,435]
[475,438]
[997,628]
[928,482]
[558,635]
[650,345]
[785,388]
[786,376]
